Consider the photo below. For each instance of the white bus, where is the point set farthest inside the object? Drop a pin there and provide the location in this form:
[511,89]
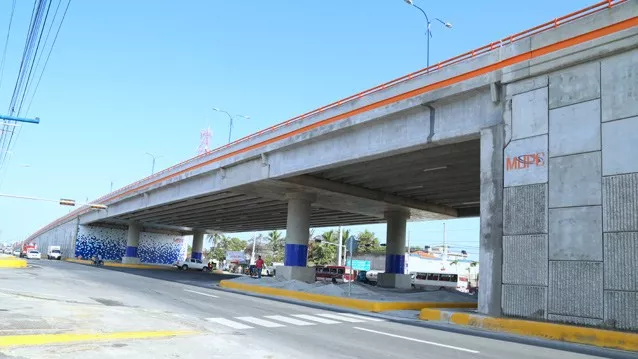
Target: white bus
[439,280]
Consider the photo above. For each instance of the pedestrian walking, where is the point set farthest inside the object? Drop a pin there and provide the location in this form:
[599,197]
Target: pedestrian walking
[260,265]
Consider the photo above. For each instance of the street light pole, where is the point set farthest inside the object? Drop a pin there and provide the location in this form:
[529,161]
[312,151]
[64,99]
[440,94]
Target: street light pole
[428,33]
[230,117]
[154,158]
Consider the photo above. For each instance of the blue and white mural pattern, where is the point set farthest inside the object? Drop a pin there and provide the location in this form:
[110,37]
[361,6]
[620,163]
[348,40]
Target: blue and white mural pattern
[110,243]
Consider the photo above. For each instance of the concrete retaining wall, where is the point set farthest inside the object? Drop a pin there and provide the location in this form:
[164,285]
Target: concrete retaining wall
[63,236]
[110,243]
[570,195]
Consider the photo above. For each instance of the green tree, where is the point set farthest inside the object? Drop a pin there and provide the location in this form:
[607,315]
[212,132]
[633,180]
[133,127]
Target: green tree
[276,244]
[222,243]
[324,253]
[368,243]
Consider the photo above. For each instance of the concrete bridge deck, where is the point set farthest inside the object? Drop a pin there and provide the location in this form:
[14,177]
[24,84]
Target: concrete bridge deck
[480,134]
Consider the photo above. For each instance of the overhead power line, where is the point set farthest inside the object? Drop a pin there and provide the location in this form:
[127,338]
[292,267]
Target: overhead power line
[6,42]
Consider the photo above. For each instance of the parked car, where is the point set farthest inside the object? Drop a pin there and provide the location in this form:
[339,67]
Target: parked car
[16,252]
[192,263]
[33,254]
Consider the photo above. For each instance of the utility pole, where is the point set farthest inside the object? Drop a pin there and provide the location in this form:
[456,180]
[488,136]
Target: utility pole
[339,252]
[444,243]
[252,254]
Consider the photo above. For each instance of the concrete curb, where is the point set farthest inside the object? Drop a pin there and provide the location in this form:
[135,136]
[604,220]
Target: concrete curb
[119,265]
[9,262]
[359,304]
[560,332]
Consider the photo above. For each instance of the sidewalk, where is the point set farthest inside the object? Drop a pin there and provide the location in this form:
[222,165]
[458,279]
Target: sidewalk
[362,297]
[122,265]
[544,330]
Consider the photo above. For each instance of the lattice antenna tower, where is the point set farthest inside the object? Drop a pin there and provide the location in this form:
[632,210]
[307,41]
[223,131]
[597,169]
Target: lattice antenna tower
[204,141]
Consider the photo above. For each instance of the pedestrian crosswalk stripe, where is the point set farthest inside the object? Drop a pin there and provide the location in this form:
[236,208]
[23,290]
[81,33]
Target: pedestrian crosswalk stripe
[288,320]
[342,318]
[262,322]
[229,323]
[363,317]
[316,319]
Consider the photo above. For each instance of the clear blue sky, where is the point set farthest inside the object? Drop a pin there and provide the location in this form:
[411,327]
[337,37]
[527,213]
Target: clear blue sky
[129,77]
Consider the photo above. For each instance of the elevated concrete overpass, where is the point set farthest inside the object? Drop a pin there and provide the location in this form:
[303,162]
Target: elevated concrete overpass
[499,132]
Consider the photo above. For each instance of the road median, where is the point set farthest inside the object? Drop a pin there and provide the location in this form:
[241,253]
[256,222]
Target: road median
[120,265]
[12,262]
[339,301]
[552,331]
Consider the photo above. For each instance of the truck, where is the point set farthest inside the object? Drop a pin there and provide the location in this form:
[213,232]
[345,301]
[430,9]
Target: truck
[54,253]
[26,247]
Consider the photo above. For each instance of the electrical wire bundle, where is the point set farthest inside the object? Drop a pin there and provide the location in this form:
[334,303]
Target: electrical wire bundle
[43,20]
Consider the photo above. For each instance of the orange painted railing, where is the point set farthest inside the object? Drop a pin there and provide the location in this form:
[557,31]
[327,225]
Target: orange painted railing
[164,174]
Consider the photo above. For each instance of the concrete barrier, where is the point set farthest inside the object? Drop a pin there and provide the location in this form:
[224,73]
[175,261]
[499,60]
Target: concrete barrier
[561,332]
[352,303]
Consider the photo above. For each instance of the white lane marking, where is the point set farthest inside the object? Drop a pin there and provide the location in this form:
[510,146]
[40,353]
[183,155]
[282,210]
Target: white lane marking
[419,341]
[262,322]
[200,293]
[372,319]
[288,320]
[229,323]
[316,319]
[342,318]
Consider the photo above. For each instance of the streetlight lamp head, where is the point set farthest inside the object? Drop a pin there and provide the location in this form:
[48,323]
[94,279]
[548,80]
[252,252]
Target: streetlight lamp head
[409,2]
[448,25]
[215,109]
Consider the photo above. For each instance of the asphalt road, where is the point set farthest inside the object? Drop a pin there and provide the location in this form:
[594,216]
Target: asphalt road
[89,298]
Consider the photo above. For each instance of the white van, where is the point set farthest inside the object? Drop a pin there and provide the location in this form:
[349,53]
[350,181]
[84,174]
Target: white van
[54,253]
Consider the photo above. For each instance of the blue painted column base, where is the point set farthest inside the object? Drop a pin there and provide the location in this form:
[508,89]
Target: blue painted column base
[131,252]
[395,263]
[196,255]
[296,255]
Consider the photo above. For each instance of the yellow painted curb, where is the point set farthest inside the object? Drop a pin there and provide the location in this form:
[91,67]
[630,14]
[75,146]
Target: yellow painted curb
[360,304]
[118,265]
[43,339]
[8,262]
[552,331]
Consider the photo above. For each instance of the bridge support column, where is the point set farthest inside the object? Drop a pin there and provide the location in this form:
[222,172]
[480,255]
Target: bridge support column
[198,244]
[394,276]
[297,233]
[132,241]
[491,237]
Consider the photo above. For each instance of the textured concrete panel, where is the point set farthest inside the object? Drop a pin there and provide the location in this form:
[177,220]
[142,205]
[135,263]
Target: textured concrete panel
[525,85]
[620,203]
[621,310]
[576,233]
[524,301]
[576,288]
[526,161]
[525,259]
[575,180]
[574,129]
[620,144]
[575,84]
[525,210]
[621,254]
[529,114]
[619,89]
[574,320]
